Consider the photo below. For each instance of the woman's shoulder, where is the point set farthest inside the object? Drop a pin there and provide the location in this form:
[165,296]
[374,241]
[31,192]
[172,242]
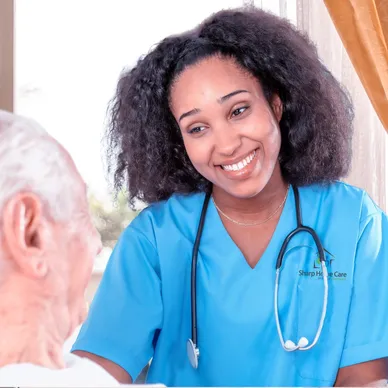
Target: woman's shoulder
[343,195]
[176,205]
[179,208]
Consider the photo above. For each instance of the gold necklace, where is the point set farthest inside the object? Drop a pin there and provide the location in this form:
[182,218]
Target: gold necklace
[253,223]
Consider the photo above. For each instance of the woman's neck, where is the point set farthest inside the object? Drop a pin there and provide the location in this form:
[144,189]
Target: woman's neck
[31,325]
[258,207]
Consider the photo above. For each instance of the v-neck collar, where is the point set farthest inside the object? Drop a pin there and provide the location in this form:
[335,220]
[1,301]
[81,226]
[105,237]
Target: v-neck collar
[216,233]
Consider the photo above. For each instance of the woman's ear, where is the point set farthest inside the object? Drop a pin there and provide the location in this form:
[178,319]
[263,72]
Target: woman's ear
[277,107]
[23,229]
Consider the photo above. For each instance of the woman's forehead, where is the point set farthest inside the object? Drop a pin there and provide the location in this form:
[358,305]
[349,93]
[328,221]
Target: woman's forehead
[209,80]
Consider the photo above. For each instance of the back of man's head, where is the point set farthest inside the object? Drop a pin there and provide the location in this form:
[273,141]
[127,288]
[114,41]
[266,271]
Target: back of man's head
[30,159]
[47,241]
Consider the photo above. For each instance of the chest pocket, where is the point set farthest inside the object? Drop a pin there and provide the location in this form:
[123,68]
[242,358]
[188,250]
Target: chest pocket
[322,361]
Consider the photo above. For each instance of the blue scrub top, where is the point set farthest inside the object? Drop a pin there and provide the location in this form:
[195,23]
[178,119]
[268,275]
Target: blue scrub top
[142,307]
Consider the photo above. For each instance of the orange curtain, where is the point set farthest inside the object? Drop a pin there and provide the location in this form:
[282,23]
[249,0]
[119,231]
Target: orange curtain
[363,28]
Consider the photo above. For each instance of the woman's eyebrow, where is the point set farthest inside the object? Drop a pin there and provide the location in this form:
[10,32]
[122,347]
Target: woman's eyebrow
[225,98]
[220,101]
[189,113]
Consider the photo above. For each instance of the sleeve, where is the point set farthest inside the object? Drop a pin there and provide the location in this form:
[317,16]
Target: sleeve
[127,308]
[367,328]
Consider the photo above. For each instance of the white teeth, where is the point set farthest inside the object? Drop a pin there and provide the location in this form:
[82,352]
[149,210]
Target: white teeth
[240,165]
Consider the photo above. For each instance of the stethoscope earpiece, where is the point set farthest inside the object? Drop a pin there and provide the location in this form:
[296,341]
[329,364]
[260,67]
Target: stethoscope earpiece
[290,345]
[303,342]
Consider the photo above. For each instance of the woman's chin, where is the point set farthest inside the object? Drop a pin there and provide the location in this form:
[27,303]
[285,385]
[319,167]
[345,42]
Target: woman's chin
[245,190]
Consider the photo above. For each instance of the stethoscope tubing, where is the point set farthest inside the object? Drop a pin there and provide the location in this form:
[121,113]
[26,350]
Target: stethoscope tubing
[194,270]
[192,345]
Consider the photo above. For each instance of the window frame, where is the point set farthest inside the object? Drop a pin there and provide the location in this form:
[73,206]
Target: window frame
[7,55]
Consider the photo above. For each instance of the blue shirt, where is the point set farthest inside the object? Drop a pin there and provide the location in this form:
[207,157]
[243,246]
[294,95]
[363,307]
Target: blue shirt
[142,307]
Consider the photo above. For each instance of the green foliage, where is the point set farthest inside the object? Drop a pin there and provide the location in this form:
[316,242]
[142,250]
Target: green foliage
[111,222]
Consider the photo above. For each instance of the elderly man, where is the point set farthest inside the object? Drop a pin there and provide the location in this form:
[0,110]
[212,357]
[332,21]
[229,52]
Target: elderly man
[47,247]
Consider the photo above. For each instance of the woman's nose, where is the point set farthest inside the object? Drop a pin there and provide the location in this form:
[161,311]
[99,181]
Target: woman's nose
[227,141]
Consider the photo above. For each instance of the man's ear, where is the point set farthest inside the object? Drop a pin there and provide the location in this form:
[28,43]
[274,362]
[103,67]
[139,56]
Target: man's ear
[24,233]
[277,107]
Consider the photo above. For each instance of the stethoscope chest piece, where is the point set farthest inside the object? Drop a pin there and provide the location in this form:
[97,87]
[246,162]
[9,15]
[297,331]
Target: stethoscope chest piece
[192,353]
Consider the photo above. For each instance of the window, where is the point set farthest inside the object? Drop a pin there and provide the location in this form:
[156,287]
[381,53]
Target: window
[68,57]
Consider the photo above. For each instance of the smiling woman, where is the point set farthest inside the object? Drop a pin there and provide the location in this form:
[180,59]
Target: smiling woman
[212,128]
[232,136]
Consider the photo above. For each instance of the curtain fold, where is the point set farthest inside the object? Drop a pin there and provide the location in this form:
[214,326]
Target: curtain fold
[363,28]
[370,140]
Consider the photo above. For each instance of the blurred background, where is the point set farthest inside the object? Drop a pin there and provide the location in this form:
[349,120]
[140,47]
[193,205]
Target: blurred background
[60,61]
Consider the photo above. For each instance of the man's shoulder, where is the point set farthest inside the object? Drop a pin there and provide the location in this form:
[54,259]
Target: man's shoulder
[77,372]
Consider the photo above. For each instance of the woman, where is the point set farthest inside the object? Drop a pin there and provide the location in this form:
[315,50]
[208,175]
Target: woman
[240,109]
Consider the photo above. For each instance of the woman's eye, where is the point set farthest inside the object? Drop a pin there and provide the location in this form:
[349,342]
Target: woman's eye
[196,130]
[239,111]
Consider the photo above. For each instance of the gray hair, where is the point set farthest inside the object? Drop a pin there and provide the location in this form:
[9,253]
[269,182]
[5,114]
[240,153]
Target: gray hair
[32,161]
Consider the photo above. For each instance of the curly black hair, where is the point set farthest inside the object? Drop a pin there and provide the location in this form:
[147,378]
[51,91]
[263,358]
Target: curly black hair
[145,148]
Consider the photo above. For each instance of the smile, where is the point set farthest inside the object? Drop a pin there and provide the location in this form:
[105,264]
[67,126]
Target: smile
[239,165]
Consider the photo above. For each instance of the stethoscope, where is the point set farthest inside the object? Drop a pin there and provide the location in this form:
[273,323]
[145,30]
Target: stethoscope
[289,346]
